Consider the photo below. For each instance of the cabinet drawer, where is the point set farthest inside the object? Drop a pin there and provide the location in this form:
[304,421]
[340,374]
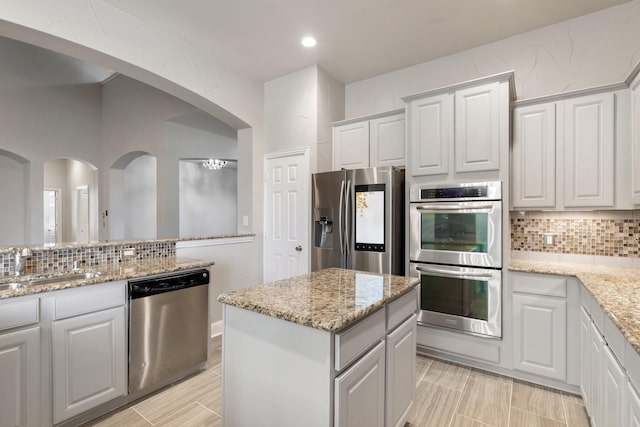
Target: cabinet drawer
[402,308]
[19,313]
[358,338]
[553,286]
[90,299]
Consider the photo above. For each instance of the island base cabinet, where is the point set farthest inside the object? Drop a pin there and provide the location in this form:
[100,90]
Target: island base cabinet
[401,372]
[20,378]
[89,361]
[359,391]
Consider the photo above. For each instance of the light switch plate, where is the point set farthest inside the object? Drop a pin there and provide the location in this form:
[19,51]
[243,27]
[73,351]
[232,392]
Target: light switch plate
[549,239]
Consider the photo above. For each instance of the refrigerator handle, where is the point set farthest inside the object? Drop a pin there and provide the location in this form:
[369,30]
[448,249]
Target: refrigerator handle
[340,219]
[347,222]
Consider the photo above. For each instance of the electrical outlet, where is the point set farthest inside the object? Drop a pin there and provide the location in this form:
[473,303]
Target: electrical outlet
[549,239]
[128,253]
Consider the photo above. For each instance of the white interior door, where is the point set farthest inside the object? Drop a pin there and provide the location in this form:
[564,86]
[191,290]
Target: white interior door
[287,217]
[52,216]
[82,229]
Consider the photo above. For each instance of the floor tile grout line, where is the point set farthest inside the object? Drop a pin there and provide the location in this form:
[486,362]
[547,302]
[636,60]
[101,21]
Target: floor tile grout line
[145,418]
[455,411]
[542,416]
[209,409]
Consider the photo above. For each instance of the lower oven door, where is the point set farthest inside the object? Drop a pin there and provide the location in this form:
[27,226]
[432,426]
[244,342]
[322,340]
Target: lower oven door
[461,298]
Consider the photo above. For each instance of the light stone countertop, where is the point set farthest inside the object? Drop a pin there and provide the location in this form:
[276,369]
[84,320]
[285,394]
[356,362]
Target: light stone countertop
[330,299]
[615,289]
[109,273]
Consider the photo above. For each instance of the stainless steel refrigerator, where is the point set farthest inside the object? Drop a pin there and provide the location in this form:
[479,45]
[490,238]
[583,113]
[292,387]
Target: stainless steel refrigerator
[358,220]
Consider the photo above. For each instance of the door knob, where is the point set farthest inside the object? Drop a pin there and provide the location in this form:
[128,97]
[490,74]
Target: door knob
[299,248]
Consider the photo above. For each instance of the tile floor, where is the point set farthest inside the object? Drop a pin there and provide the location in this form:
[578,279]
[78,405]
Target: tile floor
[448,395]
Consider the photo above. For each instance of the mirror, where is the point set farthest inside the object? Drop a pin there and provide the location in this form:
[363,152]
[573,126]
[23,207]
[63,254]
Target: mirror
[89,154]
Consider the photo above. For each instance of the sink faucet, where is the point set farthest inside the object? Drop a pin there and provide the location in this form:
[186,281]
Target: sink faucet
[19,256]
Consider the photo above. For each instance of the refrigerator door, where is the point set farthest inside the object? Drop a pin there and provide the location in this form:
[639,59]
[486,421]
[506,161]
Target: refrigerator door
[328,196]
[376,209]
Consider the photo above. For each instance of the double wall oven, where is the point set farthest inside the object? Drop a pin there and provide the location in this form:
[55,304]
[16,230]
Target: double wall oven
[455,249]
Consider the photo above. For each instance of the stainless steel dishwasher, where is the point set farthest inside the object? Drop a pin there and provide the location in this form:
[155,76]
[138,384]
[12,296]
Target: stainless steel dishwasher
[168,326]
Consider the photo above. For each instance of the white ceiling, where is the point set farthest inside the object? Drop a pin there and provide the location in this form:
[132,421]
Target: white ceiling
[357,39]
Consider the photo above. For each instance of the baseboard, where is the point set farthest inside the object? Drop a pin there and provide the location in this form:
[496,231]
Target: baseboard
[216,328]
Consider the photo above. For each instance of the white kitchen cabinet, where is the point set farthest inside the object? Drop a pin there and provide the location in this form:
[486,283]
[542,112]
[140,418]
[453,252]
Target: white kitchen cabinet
[540,337]
[585,358]
[359,391]
[534,156]
[89,361]
[431,134]
[477,128]
[588,138]
[378,141]
[631,407]
[635,140]
[596,348]
[351,146]
[401,370]
[614,383]
[387,141]
[20,377]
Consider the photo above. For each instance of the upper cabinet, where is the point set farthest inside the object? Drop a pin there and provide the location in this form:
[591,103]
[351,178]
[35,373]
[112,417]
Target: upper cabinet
[635,140]
[564,152]
[368,142]
[460,130]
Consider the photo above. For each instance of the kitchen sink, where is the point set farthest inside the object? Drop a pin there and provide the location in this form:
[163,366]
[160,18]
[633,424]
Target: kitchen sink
[49,280]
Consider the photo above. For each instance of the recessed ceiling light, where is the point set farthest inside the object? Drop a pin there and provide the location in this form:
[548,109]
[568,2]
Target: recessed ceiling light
[308,41]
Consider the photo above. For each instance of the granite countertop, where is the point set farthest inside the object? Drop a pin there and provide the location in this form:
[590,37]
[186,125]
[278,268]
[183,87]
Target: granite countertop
[330,299]
[108,273]
[615,289]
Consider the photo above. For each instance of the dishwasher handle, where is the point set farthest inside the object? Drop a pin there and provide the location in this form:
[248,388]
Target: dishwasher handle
[169,283]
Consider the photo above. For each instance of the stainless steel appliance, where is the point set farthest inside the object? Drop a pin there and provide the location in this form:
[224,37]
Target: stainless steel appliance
[457,224]
[455,244]
[468,299]
[168,327]
[358,220]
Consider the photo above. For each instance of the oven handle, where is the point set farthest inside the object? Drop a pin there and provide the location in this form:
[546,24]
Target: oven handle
[454,274]
[454,208]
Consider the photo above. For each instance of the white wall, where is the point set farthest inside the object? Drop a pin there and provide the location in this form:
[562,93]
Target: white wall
[330,109]
[208,201]
[592,50]
[12,217]
[140,194]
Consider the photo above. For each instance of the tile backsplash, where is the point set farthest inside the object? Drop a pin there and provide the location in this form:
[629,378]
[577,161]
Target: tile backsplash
[59,258]
[603,233]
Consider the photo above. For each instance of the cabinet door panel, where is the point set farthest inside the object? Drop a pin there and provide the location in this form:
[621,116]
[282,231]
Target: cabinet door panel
[597,367]
[585,358]
[541,335]
[614,383]
[401,372]
[431,134]
[589,150]
[20,378]
[351,146]
[359,392]
[635,140]
[632,407]
[534,156]
[477,128]
[89,361]
[387,141]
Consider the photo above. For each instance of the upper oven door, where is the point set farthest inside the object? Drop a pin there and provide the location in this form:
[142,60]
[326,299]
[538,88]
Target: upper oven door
[456,233]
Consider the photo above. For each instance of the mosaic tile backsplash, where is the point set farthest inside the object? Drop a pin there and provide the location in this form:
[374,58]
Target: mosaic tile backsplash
[590,234]
[51,260]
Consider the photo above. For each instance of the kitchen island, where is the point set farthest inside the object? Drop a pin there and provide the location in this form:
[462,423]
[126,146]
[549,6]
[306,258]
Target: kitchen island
[331,348]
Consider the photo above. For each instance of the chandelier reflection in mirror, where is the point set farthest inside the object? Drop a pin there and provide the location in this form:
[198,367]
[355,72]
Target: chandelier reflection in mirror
[214,164]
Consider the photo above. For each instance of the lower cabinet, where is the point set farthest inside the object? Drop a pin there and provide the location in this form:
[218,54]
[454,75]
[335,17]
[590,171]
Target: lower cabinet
[631,407]
[540,337]
[596,347]
[20,378]
[614,382]
[359,391]
[401,370]
[89,361]
[585,357]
